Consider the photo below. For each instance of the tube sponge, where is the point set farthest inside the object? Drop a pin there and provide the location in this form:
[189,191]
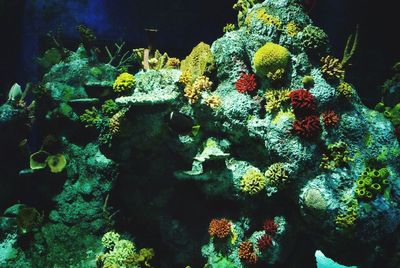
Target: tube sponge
[271,61]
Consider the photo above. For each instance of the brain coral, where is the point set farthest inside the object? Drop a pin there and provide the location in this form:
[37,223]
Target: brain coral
[252,182]
[276,175]
[271,61]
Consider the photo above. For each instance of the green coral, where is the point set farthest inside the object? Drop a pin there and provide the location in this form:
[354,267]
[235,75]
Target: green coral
[393,114]
[229,27]
[277,176]
[243,6]
[122,253]
[109,108]
[308,82]
[124,83]
[91,117]
[337,155]
[371,182]
[345,90]
[252,182]
[314,39]
[271,61]
[347,220]
[199,62]
[267,19]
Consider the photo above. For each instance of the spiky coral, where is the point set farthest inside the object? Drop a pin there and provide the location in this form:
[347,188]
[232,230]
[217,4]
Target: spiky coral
[246,253]
[330,118]
[124,83]
[220,228]
[275,99]
[264,242]
[277,176]
[336,156]
[270,227]
[332,68]
[271,61]
[303,102]
[252,182]
[246,83]
[308,127]
[345,90]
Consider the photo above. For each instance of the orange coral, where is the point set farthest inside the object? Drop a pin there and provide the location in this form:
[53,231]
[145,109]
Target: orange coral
[219,228]
[246,252]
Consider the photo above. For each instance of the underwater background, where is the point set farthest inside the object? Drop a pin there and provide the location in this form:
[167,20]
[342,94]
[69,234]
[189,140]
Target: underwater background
[181,133]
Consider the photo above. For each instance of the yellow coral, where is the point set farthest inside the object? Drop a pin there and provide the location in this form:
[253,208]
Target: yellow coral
[345,89]
[229,27]
[263,16]
[124,82]
[271,60]
[292,29]
[253,181]
[56,163]
[213,101]
[115,121]
[193,92]
[345,221]
[332,67]
[275,99]
[185,78]
[109,239]
[277,176]
[173,62]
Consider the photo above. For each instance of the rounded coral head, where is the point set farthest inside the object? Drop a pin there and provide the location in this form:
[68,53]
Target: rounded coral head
[220,228]
[271,61]
[124,82]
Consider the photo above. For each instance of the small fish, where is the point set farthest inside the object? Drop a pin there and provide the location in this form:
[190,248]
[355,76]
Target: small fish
[180,123]
[15,93]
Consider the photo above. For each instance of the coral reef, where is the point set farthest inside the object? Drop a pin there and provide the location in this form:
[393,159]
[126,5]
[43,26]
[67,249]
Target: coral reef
[271,60]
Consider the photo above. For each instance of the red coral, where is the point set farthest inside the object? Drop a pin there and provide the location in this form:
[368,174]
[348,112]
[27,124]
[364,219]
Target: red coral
[246,83]
[246,253]
[270,227]
[303,102]
[330,118]
[264,242]
[308,127]
[219,228]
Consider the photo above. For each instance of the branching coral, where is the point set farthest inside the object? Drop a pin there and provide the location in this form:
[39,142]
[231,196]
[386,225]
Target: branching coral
[277,176]
[186,78]
[267,19]
[308,127]
[246,83]
[336,156]
[253,181]
[271,61]
[275,99]
[213,101]
[121,253]
[345,90]
[173,63]
[220,228]
[303,102]
[332,68]
[246,253]
[91,117]
[330,118]
[193,92]
[229,27]
[109,107]
[371,183]
[124,83]
[292,29]
[345,221]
